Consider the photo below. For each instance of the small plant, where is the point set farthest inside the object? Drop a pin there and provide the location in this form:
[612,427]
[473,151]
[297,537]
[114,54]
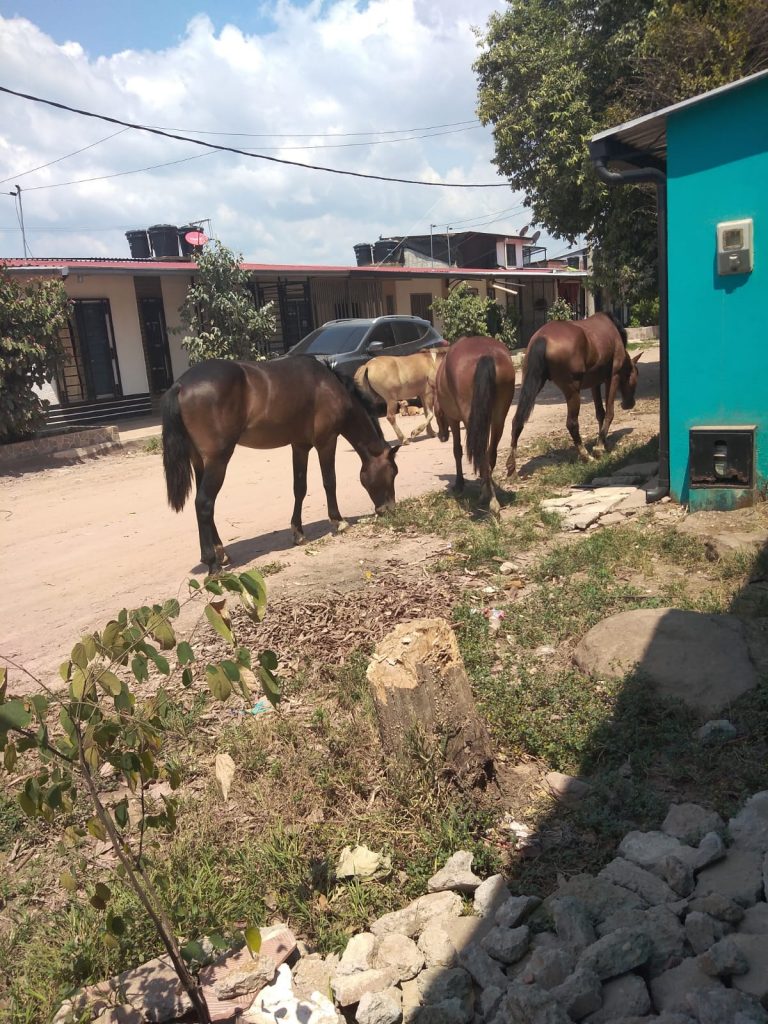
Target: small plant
[152,445]
[100,721]
[560,310]
[645,313]
[463,314]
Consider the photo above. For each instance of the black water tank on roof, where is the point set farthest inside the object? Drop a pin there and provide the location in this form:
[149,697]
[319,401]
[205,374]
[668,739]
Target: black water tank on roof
[384,249]
[138,244]
[164,239]
[364,254]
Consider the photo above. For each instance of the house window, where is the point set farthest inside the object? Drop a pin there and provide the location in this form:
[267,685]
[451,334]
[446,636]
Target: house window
[511,254]
[421,303]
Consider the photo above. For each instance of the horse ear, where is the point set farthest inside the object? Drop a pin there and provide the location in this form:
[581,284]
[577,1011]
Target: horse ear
[636,359]
[393,450]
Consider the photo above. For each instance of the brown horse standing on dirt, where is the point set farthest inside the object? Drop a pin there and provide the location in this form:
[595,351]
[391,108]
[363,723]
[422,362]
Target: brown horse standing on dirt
[475,385]
[395,378]
[578,354]
[220,403]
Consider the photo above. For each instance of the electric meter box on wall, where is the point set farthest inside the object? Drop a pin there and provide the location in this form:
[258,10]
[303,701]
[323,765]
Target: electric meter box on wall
[734,247]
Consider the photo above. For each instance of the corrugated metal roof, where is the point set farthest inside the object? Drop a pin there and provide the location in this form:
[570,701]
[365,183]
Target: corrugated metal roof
[128,266]
[648,134]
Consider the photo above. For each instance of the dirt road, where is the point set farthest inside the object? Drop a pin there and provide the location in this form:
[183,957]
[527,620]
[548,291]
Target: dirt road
[80,542]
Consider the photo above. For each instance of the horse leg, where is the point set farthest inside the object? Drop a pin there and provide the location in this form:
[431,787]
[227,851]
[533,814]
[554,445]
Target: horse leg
[327,456]
[300,459]
[209,482]
[573,402]
[600,414]
[392,417]
[610,398]
[457,454]
[218,546]
[517,428]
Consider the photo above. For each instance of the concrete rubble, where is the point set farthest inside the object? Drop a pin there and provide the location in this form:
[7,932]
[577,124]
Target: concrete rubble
[674,930]
[606,500]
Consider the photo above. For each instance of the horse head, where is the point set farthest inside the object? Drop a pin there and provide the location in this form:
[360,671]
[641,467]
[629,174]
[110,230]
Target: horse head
[377,475]
[628,381]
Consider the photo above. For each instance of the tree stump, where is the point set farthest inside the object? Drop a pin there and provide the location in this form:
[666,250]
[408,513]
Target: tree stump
[419,685]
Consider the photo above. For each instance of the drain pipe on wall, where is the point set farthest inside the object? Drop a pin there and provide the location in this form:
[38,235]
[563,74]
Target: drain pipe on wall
[659,179]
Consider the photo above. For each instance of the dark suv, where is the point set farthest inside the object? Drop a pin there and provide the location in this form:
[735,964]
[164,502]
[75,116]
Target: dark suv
[347,344]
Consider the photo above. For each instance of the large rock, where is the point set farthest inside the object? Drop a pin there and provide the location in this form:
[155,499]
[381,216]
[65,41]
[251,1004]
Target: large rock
[662,927]
[436,985]
[749,828]
[622,997]
[514,910]
[401,954]
[672,990]
[755,980]
[617,952]
[690,823]
[581,993]
[411,919]
[490,895]
[350,988]
[380,1007]
[507,945]
[703,660]
[726,1006]
[739,877]
[755,921]
[648,887]
[358,955]
[528,1004]
[572,922]
[456,875]
[601,897]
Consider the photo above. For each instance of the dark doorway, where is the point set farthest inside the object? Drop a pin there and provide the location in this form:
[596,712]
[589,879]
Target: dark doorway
[97,347]
[155,334]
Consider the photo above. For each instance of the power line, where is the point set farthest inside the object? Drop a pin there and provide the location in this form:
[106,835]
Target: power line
[243,152]
[323,135]
[118,174]
[60,158]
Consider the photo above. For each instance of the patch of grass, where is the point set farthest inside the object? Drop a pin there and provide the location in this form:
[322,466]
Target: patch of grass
[152,445]
[563,469]
[270,568]
[13,822]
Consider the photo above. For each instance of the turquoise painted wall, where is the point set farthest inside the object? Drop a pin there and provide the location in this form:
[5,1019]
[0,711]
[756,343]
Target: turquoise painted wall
[717,165]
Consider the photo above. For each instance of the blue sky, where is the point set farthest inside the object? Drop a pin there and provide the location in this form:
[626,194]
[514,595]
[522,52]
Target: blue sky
[298,77]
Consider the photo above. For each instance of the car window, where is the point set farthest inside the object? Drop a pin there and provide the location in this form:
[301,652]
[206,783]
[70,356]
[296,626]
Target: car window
[332,339]
[383,333]
[428,334]
[405,332]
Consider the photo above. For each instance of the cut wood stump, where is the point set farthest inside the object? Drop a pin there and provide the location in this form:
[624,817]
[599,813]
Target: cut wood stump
[420,688]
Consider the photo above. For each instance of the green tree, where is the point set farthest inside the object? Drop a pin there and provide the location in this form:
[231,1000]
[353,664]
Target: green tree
[463,314]
[560,309]
[31,319]
[552,73]
[219,316]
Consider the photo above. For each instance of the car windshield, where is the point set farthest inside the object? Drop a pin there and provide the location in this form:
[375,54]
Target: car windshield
[334,338]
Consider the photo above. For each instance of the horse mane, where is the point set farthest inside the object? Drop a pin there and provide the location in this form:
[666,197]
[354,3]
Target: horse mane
[619,327]
[363,399]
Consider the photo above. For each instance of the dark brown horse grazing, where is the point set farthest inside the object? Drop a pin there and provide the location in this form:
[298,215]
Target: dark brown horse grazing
[475,385]
[578,354]
[297,401]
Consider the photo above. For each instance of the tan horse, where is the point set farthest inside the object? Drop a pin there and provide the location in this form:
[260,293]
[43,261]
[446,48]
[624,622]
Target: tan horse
[393,379]
[475,385]
[578,354]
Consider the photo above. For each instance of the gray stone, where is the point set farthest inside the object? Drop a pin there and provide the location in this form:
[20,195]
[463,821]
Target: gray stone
[710,849]
[678,875]
[572,922]
[436,984]
[380,1007]
[436,947]
[313,973]
[581,993]
[489,1001]
[646,849]
[456,875]
[755,981]
[667,937]
[618,952]
[755,920]
[716,730]
[450,1011]
[626,996]
[690,823]
[701,659]
[670,991]
[724,959]
[547,966]
[726,1006]
[507,945]
[568,789]
[528,1004]
[484,970]
[462,931]
[350,988]
[513,911]
[411,1000]
[719,906]
[401,954]
[358,954]
[490,895]
[749,828]
[648,887]
[411,919]
[739,877]
[246,980]
[703,931]
[600,897]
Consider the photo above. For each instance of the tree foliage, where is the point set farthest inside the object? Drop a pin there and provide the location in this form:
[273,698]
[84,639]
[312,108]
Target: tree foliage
[58,746]
[552,73]
[31,319]
[219,316]
[463,314]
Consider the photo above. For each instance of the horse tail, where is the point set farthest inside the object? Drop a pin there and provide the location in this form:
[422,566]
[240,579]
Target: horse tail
[483,398]
[177,461]
[375,405]
[536,376]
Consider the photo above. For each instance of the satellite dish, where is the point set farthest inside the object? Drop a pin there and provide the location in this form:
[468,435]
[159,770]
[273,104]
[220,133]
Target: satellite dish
[535,237]
[523,229]
[195,238]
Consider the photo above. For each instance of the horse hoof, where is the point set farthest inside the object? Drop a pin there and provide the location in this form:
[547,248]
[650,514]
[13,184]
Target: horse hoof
[223,556]
[298,536]
[342,526]
[494,506]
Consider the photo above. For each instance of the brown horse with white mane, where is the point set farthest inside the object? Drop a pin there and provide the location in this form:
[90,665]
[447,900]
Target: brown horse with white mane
[574,355]
[296,401]
[475,385]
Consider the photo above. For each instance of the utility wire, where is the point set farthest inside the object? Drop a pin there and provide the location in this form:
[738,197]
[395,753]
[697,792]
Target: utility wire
[322,135]
[60,158]
[118,174]
[244,152]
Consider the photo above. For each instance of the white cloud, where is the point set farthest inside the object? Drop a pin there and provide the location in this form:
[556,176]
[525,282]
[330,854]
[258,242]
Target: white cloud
[326,67]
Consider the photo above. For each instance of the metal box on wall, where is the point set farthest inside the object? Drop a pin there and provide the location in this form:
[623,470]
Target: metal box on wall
[722,456]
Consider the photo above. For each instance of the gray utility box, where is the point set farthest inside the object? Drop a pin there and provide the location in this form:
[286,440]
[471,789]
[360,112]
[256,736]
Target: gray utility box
[722,456]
